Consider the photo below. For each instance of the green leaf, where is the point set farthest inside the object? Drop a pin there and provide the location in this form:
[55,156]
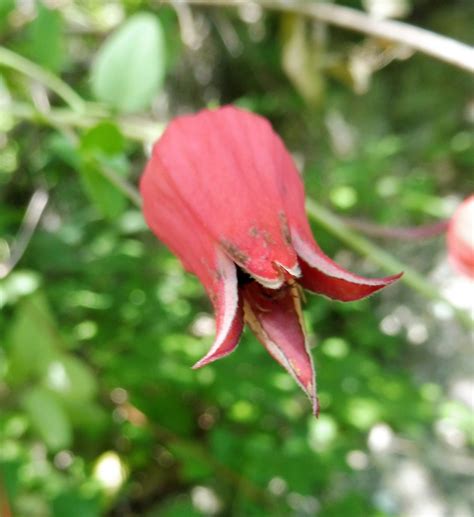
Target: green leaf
[34,340]
[105,138]
[9,471]
[61,147]
[6,6]
[17,285]
[75,504]
[88,417]
[102,146]
[193,466]
[110,201]
[48,418]
[45,43]
[71,378]
[179,507]
[129,67]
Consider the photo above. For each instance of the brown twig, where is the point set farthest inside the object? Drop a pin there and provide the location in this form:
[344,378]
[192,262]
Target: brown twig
[32,217]
[4,505]
[435,45]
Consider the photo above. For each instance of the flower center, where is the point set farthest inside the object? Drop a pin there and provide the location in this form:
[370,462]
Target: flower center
[243,278]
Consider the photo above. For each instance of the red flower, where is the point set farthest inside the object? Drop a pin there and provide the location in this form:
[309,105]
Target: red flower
[223,193]
[460,238]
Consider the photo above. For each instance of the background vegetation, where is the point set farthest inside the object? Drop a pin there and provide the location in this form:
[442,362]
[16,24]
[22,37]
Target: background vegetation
[100,413]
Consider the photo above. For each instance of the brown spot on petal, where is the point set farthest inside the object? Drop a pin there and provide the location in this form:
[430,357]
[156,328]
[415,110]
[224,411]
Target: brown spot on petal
[213,298]
[253,231]
[267,238]
[234,253]
[285,230]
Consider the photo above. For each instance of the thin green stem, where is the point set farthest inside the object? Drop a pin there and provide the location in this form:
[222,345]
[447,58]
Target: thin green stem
[233,477]
[33,71]
[410,233]
[378,256]
[138,129]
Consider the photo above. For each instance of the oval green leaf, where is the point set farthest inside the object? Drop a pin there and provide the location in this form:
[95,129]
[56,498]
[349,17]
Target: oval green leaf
[48,418]
[129,67]
[71,379]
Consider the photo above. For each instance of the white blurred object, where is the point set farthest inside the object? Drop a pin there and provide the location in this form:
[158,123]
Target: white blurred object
[204,325]
[450,433]
[380,438]
[357,460]
[386,8]
[205,500]
[417,333]
[110,472]
[277,486]
[412,483]
[463,390]
[57,377]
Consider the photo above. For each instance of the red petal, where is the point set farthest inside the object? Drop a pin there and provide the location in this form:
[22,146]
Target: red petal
[323,276]
[174,224]
[275,318]
[229,317]
[319,273]
[225,166]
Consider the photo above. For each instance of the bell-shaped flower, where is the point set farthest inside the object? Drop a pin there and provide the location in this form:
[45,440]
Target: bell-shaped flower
[222,192]
[460,238]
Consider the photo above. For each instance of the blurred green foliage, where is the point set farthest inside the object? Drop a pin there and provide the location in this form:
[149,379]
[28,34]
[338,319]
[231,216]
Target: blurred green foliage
[100,413]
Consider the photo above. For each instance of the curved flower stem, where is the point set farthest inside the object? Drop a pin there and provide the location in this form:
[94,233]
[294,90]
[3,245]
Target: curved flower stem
[385,260]
[411,233]
[33,71]
[435,45]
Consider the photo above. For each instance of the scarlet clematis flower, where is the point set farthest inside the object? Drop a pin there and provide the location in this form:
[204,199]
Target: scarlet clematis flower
[460,238]
[222,192]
